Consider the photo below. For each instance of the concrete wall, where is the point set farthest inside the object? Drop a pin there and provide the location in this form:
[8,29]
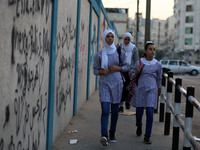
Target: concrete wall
[83,52]
[25,31]
[103,27]
[93,50]
[27,36]
[65,64]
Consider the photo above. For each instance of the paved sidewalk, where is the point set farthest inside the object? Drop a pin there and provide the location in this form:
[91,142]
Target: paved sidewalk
[87,124]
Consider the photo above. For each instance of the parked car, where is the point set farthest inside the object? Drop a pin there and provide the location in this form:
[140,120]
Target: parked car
[180,67]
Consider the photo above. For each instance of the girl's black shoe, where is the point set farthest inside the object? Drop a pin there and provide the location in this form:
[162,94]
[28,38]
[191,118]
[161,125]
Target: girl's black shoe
[121,109]
[112,137]
[127,104]
[139,131]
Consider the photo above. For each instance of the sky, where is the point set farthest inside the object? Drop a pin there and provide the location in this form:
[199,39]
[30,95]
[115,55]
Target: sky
[161,9]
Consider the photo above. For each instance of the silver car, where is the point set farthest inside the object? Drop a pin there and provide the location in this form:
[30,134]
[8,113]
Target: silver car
[180,67]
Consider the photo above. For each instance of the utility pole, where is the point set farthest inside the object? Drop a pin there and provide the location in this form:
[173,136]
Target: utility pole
[137,27]
[158,34]
[148,21]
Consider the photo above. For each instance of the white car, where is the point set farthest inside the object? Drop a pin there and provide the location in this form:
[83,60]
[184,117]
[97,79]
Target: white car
[180,67]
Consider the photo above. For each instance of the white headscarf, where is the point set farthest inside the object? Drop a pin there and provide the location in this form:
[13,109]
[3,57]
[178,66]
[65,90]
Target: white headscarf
[107,49]
[129,47]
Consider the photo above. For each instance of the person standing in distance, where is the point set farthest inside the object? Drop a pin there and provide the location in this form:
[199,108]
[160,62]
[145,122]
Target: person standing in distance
[132,56]
[106,66]
[148,89]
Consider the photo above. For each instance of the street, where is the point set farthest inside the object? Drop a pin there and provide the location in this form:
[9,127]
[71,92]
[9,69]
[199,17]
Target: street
[188,80]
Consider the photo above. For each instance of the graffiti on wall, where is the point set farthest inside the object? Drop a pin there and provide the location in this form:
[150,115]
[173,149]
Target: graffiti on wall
[82,49]
[102,29]
[65,57]
[29,41]
[31,7]
[93,45]
[66,35]
[30,50]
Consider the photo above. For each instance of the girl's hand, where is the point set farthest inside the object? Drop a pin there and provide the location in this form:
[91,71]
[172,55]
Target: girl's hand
[138,70]
[104,72]
[114,68]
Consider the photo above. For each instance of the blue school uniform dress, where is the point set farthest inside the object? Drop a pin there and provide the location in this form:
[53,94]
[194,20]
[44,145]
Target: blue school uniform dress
[146,93]
[110,85]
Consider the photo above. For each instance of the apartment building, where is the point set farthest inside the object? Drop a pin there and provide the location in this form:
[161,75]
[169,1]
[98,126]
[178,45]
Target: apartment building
[119,16]
[169,37]
[187,35]
[157,32]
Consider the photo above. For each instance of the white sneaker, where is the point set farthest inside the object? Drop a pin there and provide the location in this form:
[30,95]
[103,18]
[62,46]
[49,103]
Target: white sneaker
[104,141]
[112,137]
[113,140]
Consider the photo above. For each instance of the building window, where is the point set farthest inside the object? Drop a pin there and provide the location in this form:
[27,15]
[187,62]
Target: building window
[197,62]
[178,23]
[188,41]
[189,8]
[188,30]
[189,19]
